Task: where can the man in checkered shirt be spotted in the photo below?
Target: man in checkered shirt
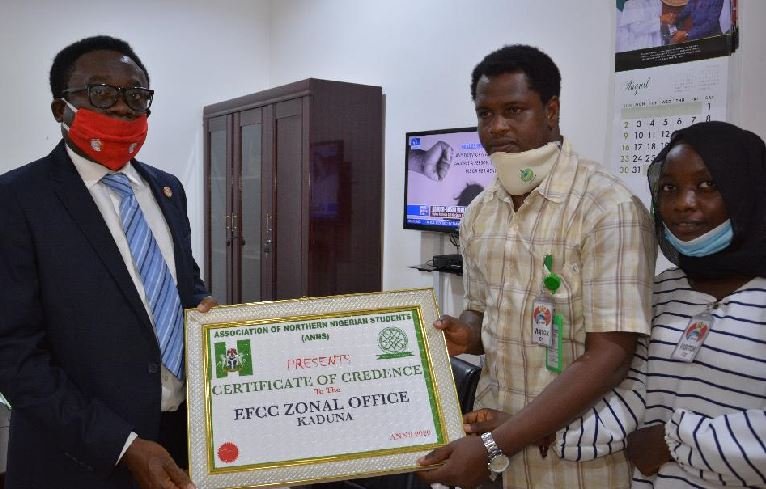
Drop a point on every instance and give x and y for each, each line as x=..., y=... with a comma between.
x=552, y=229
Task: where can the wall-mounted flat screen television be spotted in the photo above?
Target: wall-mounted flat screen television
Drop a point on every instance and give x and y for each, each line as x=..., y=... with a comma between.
x=445, y=170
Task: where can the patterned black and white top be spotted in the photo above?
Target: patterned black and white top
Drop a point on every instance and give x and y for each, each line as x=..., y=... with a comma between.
x=713, y=409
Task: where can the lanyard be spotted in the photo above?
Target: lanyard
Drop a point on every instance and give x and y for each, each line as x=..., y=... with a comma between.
x=552, y=282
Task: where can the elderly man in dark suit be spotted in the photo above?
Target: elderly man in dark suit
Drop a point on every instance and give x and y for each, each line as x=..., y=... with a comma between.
x=95, y=270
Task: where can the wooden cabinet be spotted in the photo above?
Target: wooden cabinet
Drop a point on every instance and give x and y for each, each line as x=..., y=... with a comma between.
x=294, y=192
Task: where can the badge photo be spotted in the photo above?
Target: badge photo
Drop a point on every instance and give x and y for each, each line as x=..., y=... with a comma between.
x=542, y=321
x=692, y=338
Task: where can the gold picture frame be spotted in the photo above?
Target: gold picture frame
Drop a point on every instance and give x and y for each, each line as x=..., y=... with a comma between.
x=317, y=389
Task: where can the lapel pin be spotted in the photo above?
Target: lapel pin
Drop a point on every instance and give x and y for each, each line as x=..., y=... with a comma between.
x=168, y=193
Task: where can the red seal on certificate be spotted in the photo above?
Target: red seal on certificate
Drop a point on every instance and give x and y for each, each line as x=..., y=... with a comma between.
x=228, y=452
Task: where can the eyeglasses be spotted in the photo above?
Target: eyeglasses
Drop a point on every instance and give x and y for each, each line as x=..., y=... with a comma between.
x=105, y=96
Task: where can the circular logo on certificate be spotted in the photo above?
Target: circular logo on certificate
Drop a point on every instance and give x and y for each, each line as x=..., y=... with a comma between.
x=228, y=452
x=392, y=340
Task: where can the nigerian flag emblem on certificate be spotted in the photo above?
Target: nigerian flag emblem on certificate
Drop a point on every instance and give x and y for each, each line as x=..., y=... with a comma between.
x=232, y=359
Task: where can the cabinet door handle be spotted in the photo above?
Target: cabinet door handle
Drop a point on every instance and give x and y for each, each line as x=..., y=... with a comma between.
x=235, y=231
x=268, y=242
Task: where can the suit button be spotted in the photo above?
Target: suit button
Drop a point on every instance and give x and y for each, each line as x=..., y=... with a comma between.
x=154, y=368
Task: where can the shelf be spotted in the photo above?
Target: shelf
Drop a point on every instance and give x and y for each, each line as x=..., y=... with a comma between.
x=425, y=267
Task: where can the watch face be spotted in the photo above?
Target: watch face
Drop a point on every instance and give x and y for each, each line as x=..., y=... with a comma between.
x=499, y=463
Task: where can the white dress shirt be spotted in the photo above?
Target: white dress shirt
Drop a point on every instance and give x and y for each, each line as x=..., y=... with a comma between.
x=108, y=203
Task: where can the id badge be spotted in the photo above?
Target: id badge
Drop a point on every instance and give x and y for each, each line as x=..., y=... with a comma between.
x=542, y=321
x=693, y=337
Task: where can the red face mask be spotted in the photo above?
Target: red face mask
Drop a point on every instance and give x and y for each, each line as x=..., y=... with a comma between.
x=109, y=141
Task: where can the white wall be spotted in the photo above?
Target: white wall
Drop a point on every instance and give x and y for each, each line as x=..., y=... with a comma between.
x=196, y=51
x=748, y=100
x=420, y=51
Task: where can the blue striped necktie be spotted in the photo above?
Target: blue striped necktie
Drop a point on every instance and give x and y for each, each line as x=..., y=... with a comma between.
x=159, y=286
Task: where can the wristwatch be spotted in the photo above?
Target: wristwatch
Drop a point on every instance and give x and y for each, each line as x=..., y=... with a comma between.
x=498, y=461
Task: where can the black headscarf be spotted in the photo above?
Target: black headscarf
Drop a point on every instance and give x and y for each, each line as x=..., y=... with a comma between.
x=736, y=159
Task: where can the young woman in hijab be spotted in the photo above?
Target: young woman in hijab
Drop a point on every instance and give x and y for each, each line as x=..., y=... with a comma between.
x=697, y=391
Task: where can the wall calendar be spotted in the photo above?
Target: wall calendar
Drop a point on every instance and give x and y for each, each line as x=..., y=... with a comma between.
x=652, y=103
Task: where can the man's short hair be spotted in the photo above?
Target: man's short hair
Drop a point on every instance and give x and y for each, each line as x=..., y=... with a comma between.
x=63, y=63
x=542, y=73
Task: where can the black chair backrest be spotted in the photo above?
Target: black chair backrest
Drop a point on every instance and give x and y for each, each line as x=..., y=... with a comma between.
x=466, y=378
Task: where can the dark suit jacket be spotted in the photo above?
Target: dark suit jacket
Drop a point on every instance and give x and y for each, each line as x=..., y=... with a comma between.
x=79, y=360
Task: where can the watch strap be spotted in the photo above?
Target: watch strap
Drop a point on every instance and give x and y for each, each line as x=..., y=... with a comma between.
x=489, y=443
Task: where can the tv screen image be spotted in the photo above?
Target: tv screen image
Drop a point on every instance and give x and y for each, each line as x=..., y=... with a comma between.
x=445, y=170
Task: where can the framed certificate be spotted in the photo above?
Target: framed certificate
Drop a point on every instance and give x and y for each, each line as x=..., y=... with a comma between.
x=297, y=391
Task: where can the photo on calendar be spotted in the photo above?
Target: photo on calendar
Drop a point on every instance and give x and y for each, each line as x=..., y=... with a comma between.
x=661, y=32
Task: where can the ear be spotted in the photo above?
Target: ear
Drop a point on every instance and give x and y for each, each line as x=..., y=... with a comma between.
x=57, y=108
x=552, y=107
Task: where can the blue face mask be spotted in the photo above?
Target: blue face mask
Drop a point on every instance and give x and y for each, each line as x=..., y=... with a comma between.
x=711, y=242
